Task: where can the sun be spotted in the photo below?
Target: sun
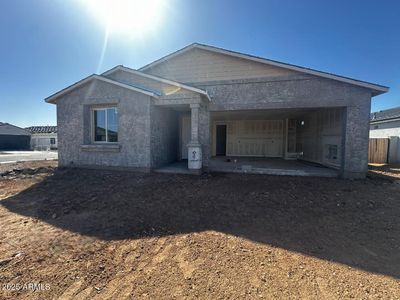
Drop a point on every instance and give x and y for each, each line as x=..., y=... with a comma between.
x=127, y=16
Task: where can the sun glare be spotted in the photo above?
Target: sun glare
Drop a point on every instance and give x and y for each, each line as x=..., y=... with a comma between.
x=127, y=16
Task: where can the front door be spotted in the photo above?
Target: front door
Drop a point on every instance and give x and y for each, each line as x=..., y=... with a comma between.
x=221, y=140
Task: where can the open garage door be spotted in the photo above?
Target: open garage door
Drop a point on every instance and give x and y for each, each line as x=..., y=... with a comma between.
x=15, y=142
x=262, y=138
x=312, y=134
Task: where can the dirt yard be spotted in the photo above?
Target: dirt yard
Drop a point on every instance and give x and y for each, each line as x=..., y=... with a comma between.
x=83, y=234
x=391, y=171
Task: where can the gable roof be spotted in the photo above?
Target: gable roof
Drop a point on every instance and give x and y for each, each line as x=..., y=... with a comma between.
x=376, y=88
x=42, y=129
x=156, y=78
x=53, y=98
x=10, y=129
x=387, y=114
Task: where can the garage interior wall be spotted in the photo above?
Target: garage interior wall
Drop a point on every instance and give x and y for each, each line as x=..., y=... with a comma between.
x=314, y=135
x=255, y=138
x=319, y=136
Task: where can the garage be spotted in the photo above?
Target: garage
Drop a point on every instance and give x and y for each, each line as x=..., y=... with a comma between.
x=312, y=134
x=262, y=138
x=13, y=137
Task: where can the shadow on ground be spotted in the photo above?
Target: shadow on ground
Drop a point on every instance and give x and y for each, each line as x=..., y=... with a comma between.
x=388, y=171
x=350, y=222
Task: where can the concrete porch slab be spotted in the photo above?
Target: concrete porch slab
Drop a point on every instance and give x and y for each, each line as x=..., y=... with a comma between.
x=269, y=166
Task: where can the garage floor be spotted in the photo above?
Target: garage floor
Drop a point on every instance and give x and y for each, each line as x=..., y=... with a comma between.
x=271, y=166
x=256, y=165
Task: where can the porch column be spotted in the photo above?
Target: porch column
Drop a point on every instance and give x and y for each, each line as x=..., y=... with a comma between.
x=194, y=146
x=355, y=141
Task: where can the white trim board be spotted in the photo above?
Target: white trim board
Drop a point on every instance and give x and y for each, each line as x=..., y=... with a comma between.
x=378, y=89
x=156, y=78
x=52, y=98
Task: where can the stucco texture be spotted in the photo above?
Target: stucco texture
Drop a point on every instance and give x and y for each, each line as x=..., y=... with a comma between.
x=74, y=127
x=149, y=127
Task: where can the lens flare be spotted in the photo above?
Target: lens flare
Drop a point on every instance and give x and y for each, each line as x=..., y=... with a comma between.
x=127, y=16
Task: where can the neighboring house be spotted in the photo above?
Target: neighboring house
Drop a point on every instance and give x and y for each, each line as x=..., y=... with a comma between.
x=43, y=137
x=13, y=137
x=386, y=124
x=202, y=101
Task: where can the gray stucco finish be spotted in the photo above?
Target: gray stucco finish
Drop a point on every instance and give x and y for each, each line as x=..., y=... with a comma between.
x=149, y=128
x=73, y=111
x=303, y=92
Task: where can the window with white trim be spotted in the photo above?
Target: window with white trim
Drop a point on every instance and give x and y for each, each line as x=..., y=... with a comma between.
x=105, y=125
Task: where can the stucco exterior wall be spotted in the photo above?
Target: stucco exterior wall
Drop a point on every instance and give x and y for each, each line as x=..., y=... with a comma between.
x=304, y=91
x=148, y=128
x=204, y=133
x=74, y=127
x=385, y=129
x=41, y=141
x=280, y=92
x=356, y=133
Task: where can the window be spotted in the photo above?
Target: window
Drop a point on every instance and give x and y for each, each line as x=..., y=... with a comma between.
x=52, y=141
x=105, y=124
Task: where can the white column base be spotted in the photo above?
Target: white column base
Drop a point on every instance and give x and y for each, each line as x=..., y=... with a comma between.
x=195, y=161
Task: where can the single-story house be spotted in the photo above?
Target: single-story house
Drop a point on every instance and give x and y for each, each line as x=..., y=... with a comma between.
x=209, y=105
x=43, y=137
x=13, y=137
x=386, y=124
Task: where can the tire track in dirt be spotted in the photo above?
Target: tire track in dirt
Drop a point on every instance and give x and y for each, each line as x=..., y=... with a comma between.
x=137, y=266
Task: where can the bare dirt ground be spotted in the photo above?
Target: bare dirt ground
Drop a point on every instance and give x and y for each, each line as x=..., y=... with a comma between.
x=389, y=171
x=87, y=234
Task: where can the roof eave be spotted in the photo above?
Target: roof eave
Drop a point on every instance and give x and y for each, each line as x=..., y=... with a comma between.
x=381, y=91
x=157, y=78
x=376, y=88
x=385, y=120
x=52, y=99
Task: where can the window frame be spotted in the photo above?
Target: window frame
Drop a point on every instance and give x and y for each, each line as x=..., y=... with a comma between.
x=93, y=126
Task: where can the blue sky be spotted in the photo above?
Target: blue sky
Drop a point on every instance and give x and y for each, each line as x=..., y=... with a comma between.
x=47, y=45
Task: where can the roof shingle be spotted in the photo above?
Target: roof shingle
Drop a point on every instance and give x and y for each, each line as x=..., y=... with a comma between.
x=42, y=129
x=385, y=114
